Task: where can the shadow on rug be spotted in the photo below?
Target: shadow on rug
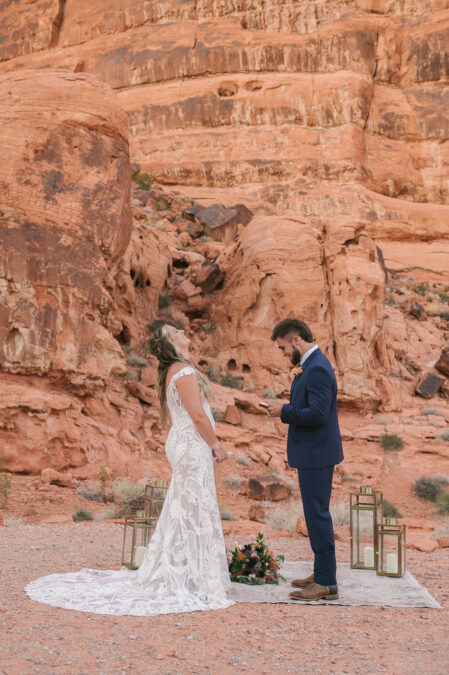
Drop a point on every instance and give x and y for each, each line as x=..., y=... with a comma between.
x=356, y=587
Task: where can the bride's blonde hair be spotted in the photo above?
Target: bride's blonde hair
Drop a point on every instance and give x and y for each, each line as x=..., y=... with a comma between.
x=167, y=353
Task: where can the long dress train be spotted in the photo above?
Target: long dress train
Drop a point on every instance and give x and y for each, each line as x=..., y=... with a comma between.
x=184, y=568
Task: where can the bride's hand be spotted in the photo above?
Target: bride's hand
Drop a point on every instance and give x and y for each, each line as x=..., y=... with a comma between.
x=219, y=453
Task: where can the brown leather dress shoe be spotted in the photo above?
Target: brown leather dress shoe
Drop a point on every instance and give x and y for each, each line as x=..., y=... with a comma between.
x=302, y=583
x=316, y=592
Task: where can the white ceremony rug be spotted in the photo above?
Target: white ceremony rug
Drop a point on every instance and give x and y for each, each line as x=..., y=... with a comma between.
x=356, y=587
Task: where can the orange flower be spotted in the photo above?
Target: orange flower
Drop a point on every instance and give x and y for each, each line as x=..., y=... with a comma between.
x=240, y=557
x=296, y=372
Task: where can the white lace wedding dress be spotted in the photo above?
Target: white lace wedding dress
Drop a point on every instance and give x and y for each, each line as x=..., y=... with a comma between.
x=184, y=568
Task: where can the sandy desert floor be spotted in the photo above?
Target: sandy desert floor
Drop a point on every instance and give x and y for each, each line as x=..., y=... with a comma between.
x=36, y=638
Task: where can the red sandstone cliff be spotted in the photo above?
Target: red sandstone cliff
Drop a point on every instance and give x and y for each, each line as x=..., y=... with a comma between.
x=328, y=120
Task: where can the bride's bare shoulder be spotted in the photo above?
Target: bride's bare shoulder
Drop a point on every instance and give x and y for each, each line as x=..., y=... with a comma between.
x=172, y=370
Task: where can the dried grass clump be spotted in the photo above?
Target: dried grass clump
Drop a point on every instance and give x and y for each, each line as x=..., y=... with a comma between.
x=129, y=497
x=428, y=488
x=339, y=511
x=443, y=502
x=243, y=458
x=226, y=514
x=91, y=492
x=234, y=481
x=285, y=517
x=391, y=442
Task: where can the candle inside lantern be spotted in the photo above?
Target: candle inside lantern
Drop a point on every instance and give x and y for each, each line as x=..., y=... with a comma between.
x=139, y=553
x=368, y=556
x=392, y=563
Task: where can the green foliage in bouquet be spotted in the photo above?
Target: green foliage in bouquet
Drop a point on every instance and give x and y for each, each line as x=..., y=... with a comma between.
x=255, y=564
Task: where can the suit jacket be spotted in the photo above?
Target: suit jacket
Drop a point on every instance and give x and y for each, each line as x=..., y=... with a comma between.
x=314, y=440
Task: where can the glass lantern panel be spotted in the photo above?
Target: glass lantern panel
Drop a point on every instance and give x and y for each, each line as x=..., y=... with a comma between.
x=128, y=541
x=391, y=553
x=363, y=537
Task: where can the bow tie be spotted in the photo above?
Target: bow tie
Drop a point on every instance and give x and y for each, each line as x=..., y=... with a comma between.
x=296, y=372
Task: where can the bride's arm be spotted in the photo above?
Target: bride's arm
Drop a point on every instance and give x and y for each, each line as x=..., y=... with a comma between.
x=189, y=391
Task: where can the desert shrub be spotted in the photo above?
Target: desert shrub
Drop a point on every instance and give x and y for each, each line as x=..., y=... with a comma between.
x=444, y=296
x=234, y=481
x=243, y=458
x=390, y=510
x=218, y=415
x=232, y=381
x=444, y=436
x=143, y=181
x=421, y=289
x=164, y=301
x=428, y=488
x=105, y=477
x=391, y=442
x=129, y=497
x=213, y=373
x=81, y=514
x=443, y=502
x=285, y=517
x=339, y=511
x=431, y=411
x=91, y=492
x=5, y=483
x=226, y=514
x=269, y=393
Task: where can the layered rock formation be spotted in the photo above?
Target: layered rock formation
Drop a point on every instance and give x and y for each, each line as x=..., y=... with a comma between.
x=327, y=120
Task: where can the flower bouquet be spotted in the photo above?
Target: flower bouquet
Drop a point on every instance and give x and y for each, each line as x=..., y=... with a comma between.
x=255, y=564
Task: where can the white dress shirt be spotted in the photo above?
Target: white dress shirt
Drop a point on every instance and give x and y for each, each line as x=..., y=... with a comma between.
x=307, y=354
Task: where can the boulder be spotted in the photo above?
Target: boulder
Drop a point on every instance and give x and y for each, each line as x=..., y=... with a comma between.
x=301, y=527
x=268, y=487
x=421, y=542
x=233, y=416
x=443, y=541
x=208, y=276
x=220, y=222
x=416, y=310
x=51, y=477
x=429, y=385
x=257, y=512
x=443, y=362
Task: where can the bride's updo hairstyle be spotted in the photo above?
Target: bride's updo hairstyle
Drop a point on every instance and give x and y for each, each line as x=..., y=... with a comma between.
x=167, y=353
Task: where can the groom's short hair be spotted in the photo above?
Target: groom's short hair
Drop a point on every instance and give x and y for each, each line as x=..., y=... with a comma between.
x=289, y=327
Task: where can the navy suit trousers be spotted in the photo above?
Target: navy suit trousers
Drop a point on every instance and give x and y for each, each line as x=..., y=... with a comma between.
x=316, y=487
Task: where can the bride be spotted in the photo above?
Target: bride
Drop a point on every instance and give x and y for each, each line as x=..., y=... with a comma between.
x=184, y=568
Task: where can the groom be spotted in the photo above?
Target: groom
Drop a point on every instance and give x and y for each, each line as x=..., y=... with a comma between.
x=313, y=447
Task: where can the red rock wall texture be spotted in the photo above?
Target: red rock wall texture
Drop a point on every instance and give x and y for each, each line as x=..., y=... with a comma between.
x=329, y=120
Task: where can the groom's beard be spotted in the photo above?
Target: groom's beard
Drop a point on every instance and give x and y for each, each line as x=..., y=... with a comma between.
x=295, y=357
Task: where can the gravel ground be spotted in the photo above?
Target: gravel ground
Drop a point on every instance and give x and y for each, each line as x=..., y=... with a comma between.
x=36, y=638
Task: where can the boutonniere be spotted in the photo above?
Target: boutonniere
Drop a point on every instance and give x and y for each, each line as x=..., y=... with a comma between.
x=296, y=372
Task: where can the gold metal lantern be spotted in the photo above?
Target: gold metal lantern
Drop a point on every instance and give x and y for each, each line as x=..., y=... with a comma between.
x=391, y=547
x=136, y=537
x=155, y=494
x=365, y=514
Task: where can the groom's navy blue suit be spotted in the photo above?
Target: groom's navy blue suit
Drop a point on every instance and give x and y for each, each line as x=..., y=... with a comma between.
x=314, y=448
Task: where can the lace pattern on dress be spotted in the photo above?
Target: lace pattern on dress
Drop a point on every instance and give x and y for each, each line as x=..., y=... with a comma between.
x=185, y=567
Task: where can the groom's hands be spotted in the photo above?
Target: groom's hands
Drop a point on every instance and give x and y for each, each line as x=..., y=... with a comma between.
x=274, y=408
